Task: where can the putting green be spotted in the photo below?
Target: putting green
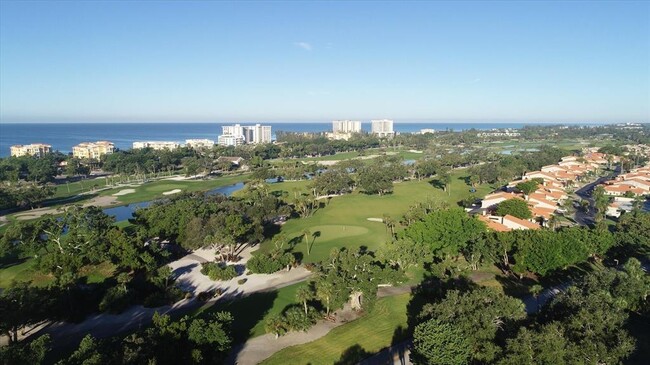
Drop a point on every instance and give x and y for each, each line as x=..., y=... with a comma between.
x=335, y=231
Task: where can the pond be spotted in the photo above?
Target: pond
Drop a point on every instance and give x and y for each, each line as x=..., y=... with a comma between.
x=125, y=212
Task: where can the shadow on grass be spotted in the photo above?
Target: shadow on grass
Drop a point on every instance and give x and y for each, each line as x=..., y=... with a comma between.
x=247, y=311
x=515, y=287
x=11, y=260
x=639, y=328
x=352, y=355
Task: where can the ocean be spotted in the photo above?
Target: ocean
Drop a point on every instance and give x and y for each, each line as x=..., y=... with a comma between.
x=62, y=136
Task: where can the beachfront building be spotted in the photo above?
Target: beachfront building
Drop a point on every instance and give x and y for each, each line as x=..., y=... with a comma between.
x=344, y=129
x=34, y=149
x=234, y=135
x=346, y=126
x=230, y=140
x=92, y=150
x=382, y=127
x=199, y=143
x=260, y=133
x=427, y=130
x=156, y=145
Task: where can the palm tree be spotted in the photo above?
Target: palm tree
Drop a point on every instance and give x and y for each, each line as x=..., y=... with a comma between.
x=390, y=224
x=303, y=294
x=275, y=325
x=305, y=234
x=536, y=290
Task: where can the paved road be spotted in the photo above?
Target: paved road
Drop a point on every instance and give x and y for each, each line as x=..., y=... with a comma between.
x=586, y=218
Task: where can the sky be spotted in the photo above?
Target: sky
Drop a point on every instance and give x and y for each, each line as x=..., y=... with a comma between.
x=317, y=61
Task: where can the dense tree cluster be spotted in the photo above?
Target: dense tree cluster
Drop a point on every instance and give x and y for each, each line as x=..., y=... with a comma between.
x=186, y=341
x=514, y=207
x=200, y=220
x=24, y=195
x=583, y=325
x=445, y=232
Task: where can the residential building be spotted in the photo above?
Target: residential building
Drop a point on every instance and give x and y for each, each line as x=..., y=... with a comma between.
x=507, y=223
x=382, y=128
x=492, y=200
x=199, y=143
x=261, y=134
x=427, y=130
x=230, y=140
x=34, y=149
x=156, y=145
x=93, y=150
x=346, y=126
x=237, y=134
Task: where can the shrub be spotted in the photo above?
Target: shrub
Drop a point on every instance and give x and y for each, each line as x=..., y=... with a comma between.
x=270, y=263
x=116, y=300
x=216, y=271
x=293, y=318
x=242, y=281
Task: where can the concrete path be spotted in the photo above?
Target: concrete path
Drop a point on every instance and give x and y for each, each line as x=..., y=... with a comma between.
x=136, y=317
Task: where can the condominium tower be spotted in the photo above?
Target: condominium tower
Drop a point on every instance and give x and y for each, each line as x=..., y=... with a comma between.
x=346, y=126
x=93, y=150
x=34, y=149
x=382, y=127
x=234, y=135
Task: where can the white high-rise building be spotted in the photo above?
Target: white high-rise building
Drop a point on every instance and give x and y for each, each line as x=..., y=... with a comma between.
x=346, y=126
x=234, y=135
x=233, y=130
x=382, y=127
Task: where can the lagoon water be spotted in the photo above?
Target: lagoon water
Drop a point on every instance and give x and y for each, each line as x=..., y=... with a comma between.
x=62, y=136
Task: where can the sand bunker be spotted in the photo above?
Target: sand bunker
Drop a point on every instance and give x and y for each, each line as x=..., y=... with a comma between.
x=175, y=191
x=124, y=192
x=376, y=219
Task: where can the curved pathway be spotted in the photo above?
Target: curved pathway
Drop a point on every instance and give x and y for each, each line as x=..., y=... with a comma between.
x=187, y=269
x=259, y=348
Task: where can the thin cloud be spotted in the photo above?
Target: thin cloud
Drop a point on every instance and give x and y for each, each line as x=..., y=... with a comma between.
x=475, y=81
x=304, y=45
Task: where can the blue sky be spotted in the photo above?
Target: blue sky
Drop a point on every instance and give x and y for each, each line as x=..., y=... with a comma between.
x=317, y=61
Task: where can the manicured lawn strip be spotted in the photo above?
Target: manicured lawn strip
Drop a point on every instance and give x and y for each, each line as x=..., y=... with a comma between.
x=371, y=332
x=251, y=312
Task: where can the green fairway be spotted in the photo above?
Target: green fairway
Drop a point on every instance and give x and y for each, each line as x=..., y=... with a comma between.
x=153, y=190
x=252, y=311
x=343, y=222
x=369, y=334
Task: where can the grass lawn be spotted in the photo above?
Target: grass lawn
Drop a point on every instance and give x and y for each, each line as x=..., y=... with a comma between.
x=252, y=311
x=372, y=332
x=344, y=221
x=25, y=270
